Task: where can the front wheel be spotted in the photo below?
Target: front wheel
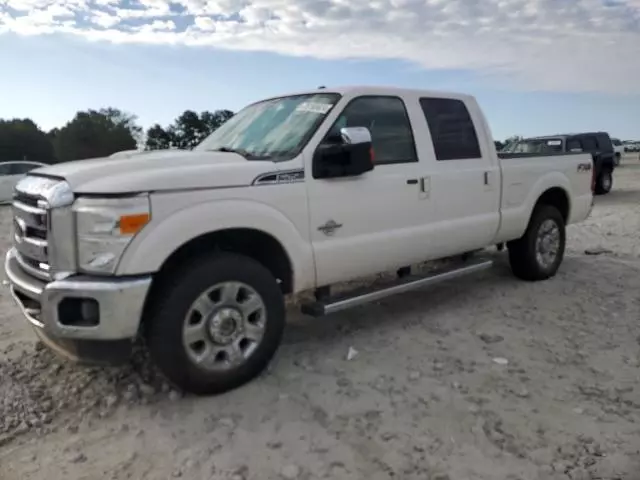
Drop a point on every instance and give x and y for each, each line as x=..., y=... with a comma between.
x=217, y=324
x=539, y=253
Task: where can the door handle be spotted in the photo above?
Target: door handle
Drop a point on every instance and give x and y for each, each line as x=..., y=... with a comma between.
x=486, y=178
x=412, y=181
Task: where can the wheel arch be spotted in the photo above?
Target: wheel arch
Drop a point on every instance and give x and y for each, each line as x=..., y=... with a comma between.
x=247, y=227
x=251, y=242
x=555, y=197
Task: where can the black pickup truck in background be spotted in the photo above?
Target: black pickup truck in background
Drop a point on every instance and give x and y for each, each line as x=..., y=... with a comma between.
x=598, y=144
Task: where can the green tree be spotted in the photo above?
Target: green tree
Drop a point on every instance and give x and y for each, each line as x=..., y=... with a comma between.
x=212, y=121
x=158, y=138
x=187, y=131
x=512, y=139
x=22, y=139
x=96, y=133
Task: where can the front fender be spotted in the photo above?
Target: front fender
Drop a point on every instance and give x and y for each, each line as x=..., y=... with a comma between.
x=163, y=236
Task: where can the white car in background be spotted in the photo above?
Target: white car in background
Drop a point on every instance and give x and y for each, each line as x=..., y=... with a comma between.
x=10, y=173
x=618, y=148
x=631, y=147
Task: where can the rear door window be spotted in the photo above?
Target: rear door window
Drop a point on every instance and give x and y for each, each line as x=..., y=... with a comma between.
x=452, y=130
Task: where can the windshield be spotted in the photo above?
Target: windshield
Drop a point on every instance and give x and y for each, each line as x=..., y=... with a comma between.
x=276, y=129
x=546, y=145
x=616, y=142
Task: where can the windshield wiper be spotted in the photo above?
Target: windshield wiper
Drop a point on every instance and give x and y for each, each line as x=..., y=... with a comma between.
x=243, y=152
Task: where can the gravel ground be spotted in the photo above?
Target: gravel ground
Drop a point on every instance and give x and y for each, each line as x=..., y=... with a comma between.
x=484, y=378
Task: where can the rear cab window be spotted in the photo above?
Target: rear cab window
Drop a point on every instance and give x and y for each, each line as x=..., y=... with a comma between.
x=452, y=130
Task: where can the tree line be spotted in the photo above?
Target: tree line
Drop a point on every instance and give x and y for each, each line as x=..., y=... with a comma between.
x=99, y=133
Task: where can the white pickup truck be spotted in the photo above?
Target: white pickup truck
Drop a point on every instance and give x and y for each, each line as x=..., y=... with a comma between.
x=196, y=250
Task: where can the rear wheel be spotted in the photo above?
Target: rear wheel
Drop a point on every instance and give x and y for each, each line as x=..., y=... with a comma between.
x=217, y=325
x=604, y=182
x=539, y=253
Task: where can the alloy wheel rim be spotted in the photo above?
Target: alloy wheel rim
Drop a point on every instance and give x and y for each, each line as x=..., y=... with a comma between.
x=224, y=326
x=547, y=243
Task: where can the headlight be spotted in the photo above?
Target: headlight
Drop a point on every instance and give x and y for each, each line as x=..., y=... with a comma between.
x=104, y=228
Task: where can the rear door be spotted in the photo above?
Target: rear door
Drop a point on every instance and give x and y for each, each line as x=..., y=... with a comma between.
x=464, y=178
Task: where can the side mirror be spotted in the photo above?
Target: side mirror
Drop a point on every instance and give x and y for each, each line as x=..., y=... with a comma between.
x=352, y=155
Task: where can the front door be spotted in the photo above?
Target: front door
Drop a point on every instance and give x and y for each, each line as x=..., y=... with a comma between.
x=376, y=221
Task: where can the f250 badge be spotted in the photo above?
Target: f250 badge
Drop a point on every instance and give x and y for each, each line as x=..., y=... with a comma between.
x=329, y=228
x=584, y=167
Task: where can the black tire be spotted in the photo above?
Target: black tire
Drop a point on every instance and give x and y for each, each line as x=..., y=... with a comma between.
x=164, y=325
x=604, y=182
x=523, y=254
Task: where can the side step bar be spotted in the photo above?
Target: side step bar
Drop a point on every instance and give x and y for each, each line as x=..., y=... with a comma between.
x=404, y=284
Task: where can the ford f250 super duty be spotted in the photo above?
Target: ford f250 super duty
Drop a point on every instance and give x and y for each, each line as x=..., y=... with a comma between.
x=195, y=250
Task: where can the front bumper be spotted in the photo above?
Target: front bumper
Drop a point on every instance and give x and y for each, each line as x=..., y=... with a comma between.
x=115, y=313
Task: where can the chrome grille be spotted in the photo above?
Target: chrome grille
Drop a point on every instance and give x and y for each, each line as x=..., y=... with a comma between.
x=30, y=234
x=43, y=231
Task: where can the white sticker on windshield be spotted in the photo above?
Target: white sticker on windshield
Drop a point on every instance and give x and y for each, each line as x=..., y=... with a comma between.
x=314, y=107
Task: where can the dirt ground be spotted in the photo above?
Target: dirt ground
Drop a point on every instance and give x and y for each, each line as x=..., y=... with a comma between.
x=484, y=378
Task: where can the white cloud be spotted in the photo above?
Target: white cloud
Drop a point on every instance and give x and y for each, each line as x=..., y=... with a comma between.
x=205, y=23
x=158, y=25
x=576, y=45
x=103, y=19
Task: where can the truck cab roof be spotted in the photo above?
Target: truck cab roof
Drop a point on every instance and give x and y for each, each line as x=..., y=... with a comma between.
x=363, y=90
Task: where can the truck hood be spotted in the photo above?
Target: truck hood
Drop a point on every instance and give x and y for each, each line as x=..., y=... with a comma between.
x=157, y=171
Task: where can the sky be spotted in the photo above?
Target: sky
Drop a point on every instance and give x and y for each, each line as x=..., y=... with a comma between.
x=536, y=66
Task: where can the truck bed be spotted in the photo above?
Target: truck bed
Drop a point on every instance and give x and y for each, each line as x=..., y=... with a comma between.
x=525, y=177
